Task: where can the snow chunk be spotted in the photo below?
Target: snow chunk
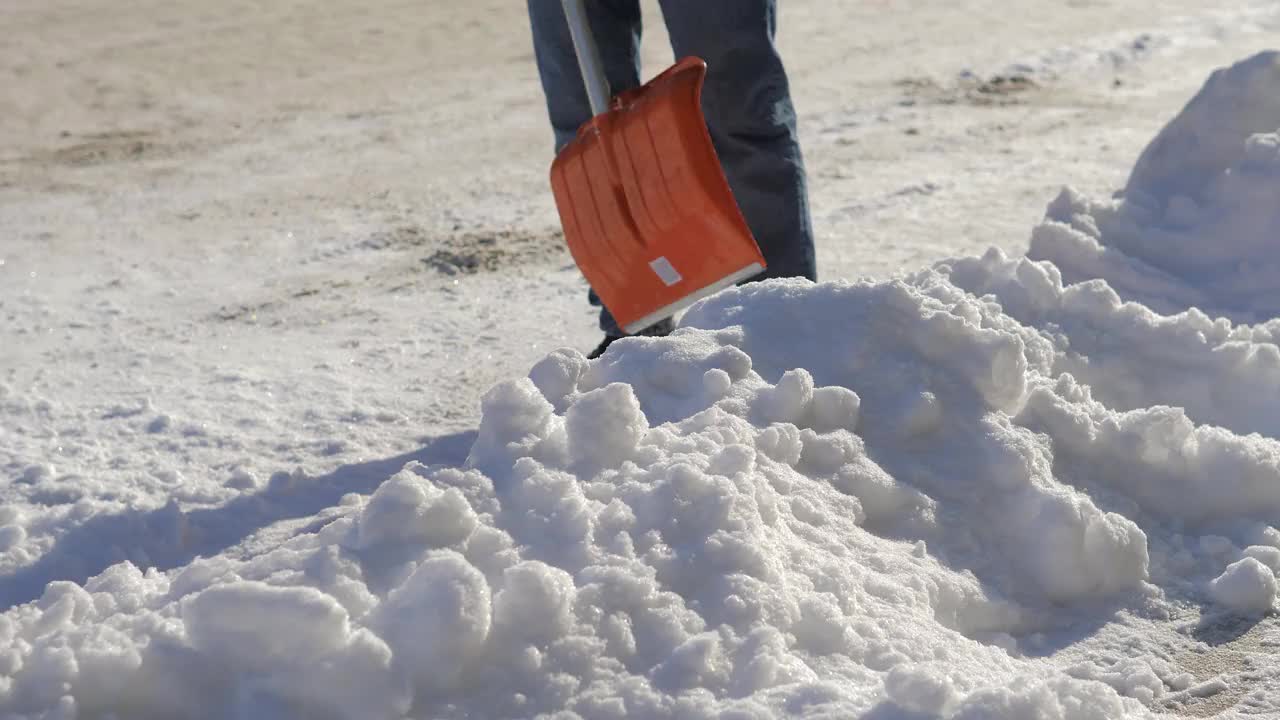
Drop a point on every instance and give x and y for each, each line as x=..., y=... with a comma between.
x=556, y=376
x=1246, y=586
x=1265, y=554
x=921, y=689
x=255, y=625
x=605, y=426
x=835, y=408
x=437, y=620
x=787, y=401
x=11, y=536
x=535, y=603
x=407, y=508
x=516, y=418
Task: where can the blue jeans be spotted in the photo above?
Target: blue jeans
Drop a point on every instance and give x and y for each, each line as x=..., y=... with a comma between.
x=746, y=100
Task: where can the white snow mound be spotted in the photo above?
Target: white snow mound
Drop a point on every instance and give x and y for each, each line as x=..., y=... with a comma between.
x=1197, y=224
x=891, y=500
x=1246, y=586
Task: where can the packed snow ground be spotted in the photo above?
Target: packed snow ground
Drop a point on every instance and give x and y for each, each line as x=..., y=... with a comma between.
x=994, y=487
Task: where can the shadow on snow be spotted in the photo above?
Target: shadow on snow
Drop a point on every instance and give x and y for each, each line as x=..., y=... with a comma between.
x=167, y=537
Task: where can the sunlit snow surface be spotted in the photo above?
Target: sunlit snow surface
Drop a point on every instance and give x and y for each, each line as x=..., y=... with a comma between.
x=970, y=493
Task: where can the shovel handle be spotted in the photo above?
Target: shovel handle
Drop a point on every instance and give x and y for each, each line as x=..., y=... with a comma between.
x=584, y=44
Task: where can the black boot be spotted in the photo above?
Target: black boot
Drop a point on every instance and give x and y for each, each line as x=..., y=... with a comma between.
x=659, y=329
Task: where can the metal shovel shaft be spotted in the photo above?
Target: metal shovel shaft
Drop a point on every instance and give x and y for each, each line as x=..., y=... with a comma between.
x=584, y=45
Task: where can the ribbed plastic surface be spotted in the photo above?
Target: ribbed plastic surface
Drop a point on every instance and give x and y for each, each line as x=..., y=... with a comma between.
x=646, y=210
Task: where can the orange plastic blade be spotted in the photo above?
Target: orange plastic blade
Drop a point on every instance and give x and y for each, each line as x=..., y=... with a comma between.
x=647, y=213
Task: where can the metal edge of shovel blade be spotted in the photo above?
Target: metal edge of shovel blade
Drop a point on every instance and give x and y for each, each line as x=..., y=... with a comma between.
x=667, y=311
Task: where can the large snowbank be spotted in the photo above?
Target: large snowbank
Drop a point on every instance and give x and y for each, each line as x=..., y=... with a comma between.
x=892, y=500
x=1197, y=224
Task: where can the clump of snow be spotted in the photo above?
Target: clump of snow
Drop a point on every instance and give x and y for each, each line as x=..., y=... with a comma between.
x=1265, y=554
x=891, y=499
x=12, y=529
x=1246, y=586
x=242, y=479
x=437, y=620
x=403, y=509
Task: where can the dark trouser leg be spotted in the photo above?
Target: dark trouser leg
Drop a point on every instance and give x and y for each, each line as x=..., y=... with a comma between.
x=747, y=102
x=616, y=27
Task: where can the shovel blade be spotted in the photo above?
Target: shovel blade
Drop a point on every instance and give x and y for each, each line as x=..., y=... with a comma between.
x=646, y=210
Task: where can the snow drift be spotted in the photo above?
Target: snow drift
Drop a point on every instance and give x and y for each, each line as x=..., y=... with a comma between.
x=894, y=500
x=1197, y=224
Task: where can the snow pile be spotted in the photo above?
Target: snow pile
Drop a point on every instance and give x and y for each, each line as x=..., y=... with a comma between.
x=684, y=528
x=691, y=527
x=1197, y=224
x=893, y=500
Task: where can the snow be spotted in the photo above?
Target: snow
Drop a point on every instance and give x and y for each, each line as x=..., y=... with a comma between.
x=1246, y=586
x=1196, y=183
x=993, y=485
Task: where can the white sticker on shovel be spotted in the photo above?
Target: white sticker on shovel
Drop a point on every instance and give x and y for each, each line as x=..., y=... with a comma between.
x=666, y=271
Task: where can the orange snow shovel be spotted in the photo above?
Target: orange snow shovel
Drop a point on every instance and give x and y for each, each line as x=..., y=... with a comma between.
x=647, y=212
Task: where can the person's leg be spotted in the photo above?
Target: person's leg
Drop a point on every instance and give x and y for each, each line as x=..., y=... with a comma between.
x=616, y=27
x=747, y=102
